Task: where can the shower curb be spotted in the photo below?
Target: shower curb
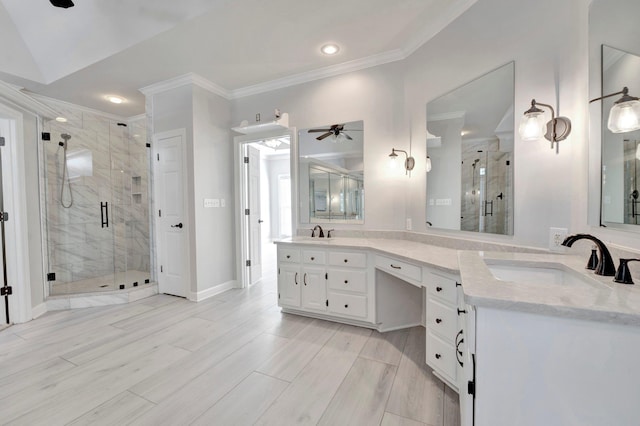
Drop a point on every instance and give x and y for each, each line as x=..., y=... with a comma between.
x=86, y=300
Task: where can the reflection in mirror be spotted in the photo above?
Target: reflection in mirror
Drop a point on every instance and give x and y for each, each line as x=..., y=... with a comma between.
x=331, y=167
x=470, y=144
x=620, y=152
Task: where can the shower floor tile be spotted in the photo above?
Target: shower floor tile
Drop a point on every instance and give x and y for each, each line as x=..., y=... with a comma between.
x=109, y=282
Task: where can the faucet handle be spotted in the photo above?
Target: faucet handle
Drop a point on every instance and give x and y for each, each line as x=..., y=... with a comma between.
x=313, y=232
x=592, y=264
x=329, y=233
x=623, y=275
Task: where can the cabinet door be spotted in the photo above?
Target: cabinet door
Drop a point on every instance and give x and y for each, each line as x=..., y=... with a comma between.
x=314, y=289
x=289, y=281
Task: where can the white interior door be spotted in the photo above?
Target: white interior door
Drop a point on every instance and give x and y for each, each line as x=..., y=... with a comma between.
x=255, y=221
x=171, y=226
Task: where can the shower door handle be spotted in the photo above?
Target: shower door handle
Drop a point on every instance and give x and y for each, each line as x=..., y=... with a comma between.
x=104, y=213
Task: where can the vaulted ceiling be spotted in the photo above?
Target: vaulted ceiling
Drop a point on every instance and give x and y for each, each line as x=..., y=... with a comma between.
x=102, y=47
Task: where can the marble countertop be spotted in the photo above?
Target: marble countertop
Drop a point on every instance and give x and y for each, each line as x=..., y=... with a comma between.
x=598, y=298
x=443, y=259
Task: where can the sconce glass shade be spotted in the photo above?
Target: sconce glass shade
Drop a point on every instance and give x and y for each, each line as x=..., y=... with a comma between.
x=272, y=143
x=533, y=126
x=428, y=165
x=624, y=116
x=393, y=160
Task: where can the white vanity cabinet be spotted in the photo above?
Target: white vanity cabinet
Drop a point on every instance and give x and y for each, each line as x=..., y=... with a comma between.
x=314, y=276
x=443, y=328
x=348, y=286
x=329, y=284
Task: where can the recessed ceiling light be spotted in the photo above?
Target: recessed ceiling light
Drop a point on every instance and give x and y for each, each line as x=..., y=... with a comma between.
x=115, y=99
x=330, y=49
x=61, y=119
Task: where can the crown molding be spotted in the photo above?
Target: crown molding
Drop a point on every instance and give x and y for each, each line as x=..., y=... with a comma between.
x=183, y=80
x=454, y=11
x=15, y=95
x=318, y=74
x=446, y=116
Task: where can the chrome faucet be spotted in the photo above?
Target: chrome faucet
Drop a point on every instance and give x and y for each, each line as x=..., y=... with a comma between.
x=605, y=263
x=313, y=232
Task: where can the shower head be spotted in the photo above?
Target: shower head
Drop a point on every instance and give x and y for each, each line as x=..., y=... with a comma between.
x=66, y=138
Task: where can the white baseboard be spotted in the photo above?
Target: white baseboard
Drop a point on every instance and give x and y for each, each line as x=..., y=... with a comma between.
x=210, y=292
x=39, y=310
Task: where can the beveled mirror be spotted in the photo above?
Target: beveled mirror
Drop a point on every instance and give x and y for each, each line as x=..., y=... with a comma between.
x=331, y=169
x=470, y=145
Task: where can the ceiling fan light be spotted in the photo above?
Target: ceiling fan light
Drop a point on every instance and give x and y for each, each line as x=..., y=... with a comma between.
x=272, y=143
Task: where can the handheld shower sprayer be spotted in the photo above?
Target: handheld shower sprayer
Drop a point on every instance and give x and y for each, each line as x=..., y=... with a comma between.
x=65, y=172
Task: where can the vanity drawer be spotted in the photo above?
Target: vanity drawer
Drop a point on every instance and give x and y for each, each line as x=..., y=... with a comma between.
x=354, y=260
x=288, y=255
x=350, y=280
x=442, y=288
x=442, y=319
x=348, y=304
x=313, y=257
x=441, y=356
x=399, y=268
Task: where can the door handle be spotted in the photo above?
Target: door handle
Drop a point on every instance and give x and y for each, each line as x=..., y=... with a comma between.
x=104, y=214
x=260, y=220
x=177, y=226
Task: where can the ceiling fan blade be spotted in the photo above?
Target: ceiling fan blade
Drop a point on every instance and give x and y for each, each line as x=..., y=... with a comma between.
x=347, y=136
x=326, y=135
x=318, y=130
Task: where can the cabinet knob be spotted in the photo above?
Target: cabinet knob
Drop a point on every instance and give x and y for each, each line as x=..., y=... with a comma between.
x=438, y=356
x=438, y=289
x=288, y=256
x=346, y=281
x=313, y=258
x=346, y=306
x=346, y=260
x=438, y=320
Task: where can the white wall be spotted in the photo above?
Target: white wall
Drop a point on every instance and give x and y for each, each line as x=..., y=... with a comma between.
x=374, y=95
x=213, y=178
x=550, y=53
x=206, y=118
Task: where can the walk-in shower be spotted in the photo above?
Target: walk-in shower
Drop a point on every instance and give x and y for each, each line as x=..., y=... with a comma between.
x=94, y=176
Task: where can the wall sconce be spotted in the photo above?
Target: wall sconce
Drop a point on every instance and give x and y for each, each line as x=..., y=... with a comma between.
x=625, y=113
x=428, y=165
x=409, y=162
x=533, y=126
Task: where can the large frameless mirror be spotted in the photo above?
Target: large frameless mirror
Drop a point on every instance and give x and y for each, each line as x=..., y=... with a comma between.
x=621, y=150
x=331, y=167
x=470, y=146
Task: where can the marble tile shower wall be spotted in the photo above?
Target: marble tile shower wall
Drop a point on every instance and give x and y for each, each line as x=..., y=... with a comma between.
x=107, y=162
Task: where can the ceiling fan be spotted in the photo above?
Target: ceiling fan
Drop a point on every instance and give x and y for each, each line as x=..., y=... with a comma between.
x=335, y=130
x=62, y=3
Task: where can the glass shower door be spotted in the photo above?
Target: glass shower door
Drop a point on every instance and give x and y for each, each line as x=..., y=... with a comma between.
x=79, y=222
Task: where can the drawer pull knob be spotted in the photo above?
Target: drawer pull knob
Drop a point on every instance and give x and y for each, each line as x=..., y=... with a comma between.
x=346, y=281
x=304, y=278
x=438, y=320
x=296, y=278
x=346, y=306
x=288, y=256
x=395, y=267
x=346, y=260
x=438, y=356
x=438, y=289
x=313, y=258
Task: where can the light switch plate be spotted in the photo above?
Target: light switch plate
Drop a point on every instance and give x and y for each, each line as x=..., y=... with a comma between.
x=223, y=203
x=208, y=203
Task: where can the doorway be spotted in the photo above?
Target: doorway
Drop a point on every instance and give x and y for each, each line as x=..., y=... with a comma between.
x=265, y=207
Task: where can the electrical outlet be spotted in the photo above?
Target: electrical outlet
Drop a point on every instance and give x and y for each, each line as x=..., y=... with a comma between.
x=408, y=224
x=556, y=237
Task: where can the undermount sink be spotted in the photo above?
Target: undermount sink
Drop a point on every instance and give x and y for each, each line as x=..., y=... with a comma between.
x=553, y=274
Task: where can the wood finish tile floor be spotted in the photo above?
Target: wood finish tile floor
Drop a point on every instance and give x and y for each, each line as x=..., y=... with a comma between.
x=234, y=359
